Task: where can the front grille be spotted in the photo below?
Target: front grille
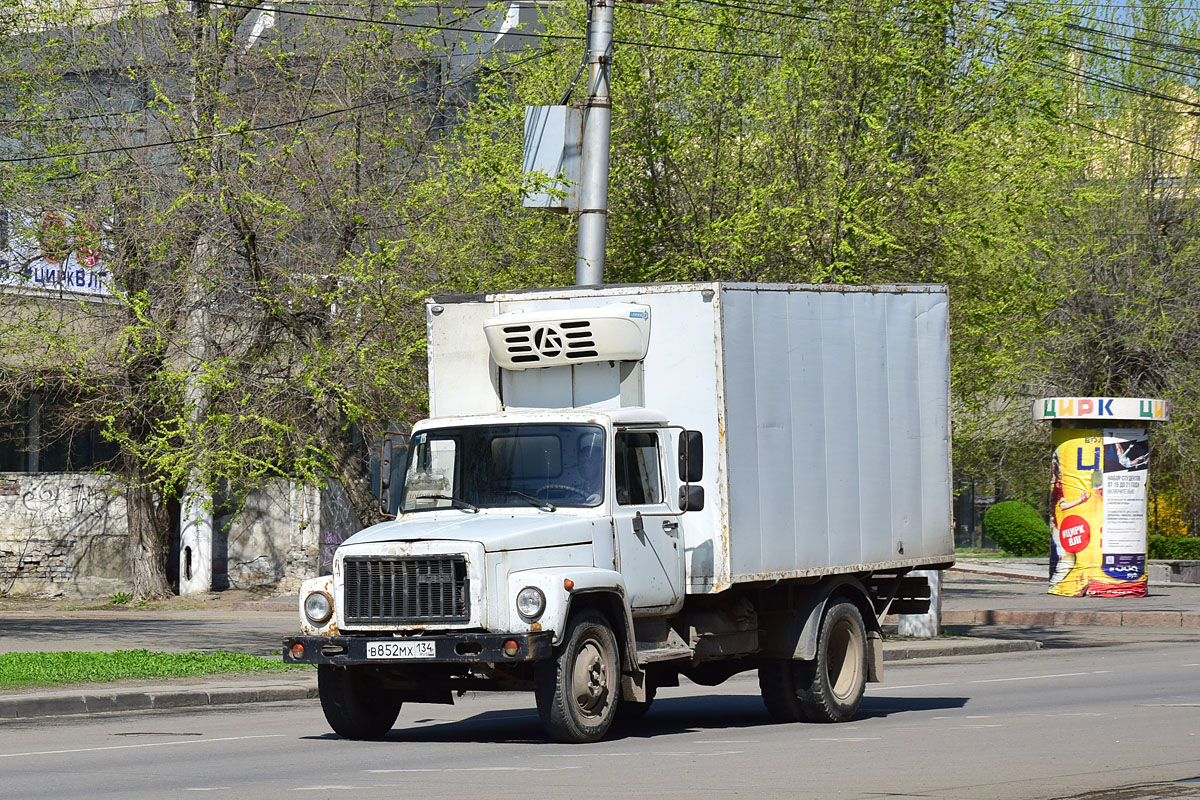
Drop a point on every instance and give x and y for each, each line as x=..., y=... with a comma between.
x=407, y=589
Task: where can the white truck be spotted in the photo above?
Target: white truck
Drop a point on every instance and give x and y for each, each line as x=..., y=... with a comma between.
x=619, y=486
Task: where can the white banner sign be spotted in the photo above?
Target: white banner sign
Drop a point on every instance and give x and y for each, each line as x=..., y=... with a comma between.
x=53, y=253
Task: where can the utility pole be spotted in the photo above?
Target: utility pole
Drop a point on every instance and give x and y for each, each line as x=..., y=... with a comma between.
x=597, y=126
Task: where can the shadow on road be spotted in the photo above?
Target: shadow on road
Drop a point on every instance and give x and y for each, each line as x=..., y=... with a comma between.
x=668, y=716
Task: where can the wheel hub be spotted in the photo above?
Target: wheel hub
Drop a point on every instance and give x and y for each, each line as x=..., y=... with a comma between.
x=590, y=678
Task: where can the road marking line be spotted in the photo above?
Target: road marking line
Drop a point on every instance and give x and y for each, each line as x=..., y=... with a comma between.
x=981, y=726
x=1034, y=677
x=722, y=741
x=472, y=769
x=910, y=686
x=582, y=755
x=850, y=739
x=145, y=744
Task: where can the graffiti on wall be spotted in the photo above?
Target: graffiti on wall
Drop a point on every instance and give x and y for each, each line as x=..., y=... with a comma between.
x=338, y=523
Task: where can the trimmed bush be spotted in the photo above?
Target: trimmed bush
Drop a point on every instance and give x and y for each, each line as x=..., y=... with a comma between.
x=1018, y=528
x=1174, y=548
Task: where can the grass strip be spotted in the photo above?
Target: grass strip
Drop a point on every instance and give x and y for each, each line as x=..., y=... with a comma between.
x=22, y=670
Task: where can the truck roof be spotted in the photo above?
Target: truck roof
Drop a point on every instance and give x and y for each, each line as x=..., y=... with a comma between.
x=614, y=416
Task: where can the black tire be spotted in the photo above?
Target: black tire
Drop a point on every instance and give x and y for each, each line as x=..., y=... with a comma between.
x=829, y=688
x=578, y=691
x=356, y=704
x=633, y=710
x=780, y=681
x=837, y=678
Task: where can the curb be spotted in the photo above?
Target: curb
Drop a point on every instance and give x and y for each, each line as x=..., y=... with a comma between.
x=1113, y=619
x=66, y=704
x=936, y=648
x=997, y=571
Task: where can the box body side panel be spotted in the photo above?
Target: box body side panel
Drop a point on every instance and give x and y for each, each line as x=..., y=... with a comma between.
x=463, y=379
x=838, y=444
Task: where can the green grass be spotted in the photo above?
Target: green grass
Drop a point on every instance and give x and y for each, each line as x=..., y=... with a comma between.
x=56, y=669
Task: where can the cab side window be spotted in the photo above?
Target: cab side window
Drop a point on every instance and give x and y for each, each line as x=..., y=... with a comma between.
x=639, y=482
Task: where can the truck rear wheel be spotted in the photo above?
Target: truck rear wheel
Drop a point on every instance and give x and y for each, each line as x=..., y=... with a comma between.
x=837, y=678
x=578, y=690
x=829, y=688
x=780, y=681
x=356, y=704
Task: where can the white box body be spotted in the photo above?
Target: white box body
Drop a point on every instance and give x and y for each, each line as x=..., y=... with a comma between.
x=824, y=409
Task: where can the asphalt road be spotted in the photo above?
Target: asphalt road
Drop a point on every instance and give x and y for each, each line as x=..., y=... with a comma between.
x=1048, y=724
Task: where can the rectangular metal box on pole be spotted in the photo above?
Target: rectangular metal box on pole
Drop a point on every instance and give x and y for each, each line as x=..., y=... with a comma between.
x=553, y=142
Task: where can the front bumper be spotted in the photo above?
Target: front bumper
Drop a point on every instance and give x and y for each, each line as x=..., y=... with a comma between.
x=457, y=648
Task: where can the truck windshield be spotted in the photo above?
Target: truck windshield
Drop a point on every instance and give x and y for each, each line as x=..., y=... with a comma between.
x=501, y=466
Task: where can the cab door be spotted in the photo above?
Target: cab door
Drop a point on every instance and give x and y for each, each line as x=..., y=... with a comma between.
x=649, y=548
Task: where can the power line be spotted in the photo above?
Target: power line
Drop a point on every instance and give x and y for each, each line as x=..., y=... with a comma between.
x=246, y=130
x=1111, y=84
x=1151, y=147
x=1118, y=56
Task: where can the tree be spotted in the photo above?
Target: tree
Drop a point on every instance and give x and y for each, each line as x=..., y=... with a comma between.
x=1127, y=324
x=249, y=168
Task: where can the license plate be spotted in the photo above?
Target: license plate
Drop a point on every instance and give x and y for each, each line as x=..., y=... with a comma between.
x=401, y=649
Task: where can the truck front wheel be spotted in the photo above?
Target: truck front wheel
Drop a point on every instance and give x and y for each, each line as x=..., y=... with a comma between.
x=355, y=702
x=829, y=688
x=579, y=689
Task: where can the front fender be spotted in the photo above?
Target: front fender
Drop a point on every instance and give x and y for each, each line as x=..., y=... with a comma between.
x=553, y=583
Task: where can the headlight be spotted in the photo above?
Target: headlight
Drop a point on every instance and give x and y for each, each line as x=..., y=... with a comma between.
x=318, y=607
x=531, y=602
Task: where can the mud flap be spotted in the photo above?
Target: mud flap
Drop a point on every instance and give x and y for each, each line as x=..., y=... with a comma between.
x=874, y=656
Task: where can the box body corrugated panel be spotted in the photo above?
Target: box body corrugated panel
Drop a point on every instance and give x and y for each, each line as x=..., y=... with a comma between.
x=824, y=411
x=837, y=429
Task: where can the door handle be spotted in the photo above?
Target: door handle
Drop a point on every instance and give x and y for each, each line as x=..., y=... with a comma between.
x=670, y=525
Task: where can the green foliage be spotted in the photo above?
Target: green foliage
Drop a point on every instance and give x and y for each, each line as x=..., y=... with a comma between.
x=317, y=186
x=1018, y=528
x=1175, y=548
x=51, y=669
x=120, y=599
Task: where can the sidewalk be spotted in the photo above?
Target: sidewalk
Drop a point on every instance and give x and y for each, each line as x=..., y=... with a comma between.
x=989, y=606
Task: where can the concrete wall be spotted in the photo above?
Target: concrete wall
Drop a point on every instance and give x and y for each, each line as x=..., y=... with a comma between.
x=66, y=535
x=62, y=534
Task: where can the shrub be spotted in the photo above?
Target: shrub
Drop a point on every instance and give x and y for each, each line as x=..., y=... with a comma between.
x=1174, y=548
x=1018, y=528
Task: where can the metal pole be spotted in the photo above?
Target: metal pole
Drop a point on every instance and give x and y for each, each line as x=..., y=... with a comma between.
x=597, y=124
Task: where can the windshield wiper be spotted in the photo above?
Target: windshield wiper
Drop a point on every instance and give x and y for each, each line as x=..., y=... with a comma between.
x=454, y=501
x=545, y=505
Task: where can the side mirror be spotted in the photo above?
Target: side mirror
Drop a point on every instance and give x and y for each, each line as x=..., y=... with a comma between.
x=385, y=465
x=691, y=498
x=386, y=457
x=691, y=456
x=385, y=475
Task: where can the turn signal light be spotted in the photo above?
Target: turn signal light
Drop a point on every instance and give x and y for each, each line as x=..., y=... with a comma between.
x=297, y=650
x=511, y=648
x=568, y=584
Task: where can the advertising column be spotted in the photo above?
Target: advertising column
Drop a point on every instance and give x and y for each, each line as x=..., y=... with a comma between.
x=1099, y=481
